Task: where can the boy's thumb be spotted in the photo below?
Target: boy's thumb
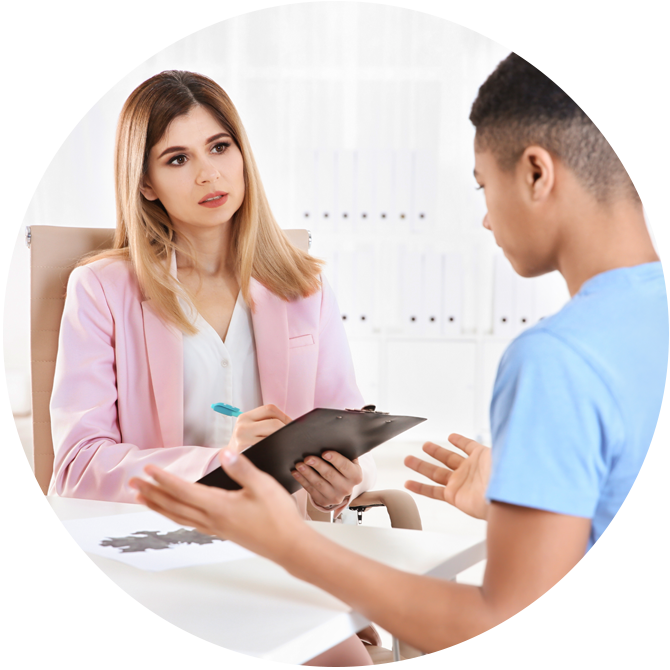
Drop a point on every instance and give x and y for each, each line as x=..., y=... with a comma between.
x=239, y=468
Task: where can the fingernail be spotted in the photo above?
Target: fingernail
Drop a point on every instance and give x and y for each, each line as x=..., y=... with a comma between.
x=328, y=456
x=228, y=457
x=300, y=467
x=294, y=473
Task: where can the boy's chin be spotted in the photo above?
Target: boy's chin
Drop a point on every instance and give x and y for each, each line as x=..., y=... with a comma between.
x=527, y=269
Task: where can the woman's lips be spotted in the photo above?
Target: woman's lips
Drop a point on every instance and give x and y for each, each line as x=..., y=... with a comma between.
x=214, y=200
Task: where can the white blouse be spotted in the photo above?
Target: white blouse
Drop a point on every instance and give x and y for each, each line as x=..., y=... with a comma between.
x=219, y=371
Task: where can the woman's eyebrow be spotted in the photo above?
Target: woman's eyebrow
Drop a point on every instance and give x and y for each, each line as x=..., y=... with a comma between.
x=218, y=136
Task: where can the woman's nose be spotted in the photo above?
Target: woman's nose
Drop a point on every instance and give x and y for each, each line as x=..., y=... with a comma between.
x=208, y=173
x=485, y=222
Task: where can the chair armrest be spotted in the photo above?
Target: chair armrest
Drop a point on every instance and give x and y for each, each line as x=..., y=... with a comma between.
x=400, y=505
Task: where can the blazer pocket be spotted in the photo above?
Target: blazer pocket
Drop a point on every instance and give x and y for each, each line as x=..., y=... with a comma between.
x=300, y=341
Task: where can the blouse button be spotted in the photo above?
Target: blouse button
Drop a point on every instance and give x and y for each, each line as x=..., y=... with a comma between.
x=224, y=363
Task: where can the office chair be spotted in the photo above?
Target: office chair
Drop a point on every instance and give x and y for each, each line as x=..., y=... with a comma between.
x=54, y=252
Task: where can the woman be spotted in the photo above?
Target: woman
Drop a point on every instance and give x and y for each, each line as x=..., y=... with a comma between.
x=201, y=300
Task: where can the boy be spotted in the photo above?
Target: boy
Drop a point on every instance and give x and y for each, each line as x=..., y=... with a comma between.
x=574, y=406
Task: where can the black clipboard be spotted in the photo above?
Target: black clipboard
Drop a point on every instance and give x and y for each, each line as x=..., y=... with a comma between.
x=351, y=433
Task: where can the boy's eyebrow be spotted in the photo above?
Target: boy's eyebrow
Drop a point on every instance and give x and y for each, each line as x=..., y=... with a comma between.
x=170, y=150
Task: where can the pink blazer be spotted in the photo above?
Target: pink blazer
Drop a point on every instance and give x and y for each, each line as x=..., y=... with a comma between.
x=117, y=401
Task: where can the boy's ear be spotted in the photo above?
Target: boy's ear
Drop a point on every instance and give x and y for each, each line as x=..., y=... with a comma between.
x=538, y=172
x=146, y=190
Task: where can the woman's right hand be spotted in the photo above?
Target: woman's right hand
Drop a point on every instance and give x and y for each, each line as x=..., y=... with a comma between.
x=253, y=426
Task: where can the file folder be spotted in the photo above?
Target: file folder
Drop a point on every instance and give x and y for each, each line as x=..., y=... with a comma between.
x=351, y=433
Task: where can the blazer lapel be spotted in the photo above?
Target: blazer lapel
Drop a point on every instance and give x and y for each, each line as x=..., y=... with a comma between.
x=165, y=352
x=270, y=321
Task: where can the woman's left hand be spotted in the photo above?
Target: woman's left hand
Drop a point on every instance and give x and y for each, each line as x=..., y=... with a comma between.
x=329, y=480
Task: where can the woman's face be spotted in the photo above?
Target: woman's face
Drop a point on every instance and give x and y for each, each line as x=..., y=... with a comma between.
x=196, y=171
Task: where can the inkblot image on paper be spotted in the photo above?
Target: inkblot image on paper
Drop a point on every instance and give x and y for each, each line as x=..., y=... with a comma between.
x=153, y=539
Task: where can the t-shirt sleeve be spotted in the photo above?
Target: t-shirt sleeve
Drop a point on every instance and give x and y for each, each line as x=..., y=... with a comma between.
x=553, y=425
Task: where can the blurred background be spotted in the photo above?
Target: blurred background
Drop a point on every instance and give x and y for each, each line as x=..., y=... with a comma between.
x=358, y=117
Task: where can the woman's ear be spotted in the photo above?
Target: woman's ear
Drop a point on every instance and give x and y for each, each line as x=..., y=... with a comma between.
x=146, y=190
x=538, y=172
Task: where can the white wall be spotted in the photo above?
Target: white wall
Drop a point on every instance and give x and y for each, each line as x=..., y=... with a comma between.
x=351, y=109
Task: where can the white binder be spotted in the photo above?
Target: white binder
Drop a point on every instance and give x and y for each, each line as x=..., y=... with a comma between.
x=411, y=278
x=345, y=210
x=402, y=178
x=504, y=281
x=325, y=188
x=305, y=203
x=425, y=190
x=365, y=188
x=432, y=291
x=385, y=197
x=452, y=323
x=364, y=260
x=345, y=286
x=523, y=303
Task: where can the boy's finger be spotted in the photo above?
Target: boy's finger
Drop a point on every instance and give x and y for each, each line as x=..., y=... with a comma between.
x=463, y=443
x=436, y=492
x=164, y=503
x=450, y=458
x=239, y=468
x=195, y=495
x=435, y=472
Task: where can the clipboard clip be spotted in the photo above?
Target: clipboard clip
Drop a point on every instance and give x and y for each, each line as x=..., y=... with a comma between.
x=367, y=409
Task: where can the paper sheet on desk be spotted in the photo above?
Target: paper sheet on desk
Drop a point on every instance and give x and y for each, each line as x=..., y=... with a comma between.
x=149, y=541
x=14, y=522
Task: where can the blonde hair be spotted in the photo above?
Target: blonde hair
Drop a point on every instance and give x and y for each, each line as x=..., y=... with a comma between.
x=144, y=234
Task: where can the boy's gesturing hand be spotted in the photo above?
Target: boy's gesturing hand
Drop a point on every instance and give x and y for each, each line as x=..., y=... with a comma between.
x=261, y=516
x=463, y=482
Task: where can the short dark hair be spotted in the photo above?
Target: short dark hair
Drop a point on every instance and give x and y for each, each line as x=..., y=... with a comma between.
x=518, y=106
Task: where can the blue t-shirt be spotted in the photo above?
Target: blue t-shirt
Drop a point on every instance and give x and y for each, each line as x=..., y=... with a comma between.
x=577, y=398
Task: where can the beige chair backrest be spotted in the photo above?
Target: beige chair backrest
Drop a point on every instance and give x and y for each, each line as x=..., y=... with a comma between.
x=54, y=252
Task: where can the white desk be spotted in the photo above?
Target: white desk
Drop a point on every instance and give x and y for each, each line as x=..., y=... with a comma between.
x=253, y=606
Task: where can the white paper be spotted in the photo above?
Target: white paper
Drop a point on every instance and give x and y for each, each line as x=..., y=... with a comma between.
x=95, y=535
x=14, y=522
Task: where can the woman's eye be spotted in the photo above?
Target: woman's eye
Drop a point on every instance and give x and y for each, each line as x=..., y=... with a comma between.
x=220, y=147
x=178, y=160
x=479, y=187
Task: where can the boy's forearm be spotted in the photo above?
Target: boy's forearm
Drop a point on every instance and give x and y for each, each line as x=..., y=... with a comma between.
x=428, y=613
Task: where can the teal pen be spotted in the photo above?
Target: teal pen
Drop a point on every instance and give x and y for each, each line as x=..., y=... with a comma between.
x=228, y=410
